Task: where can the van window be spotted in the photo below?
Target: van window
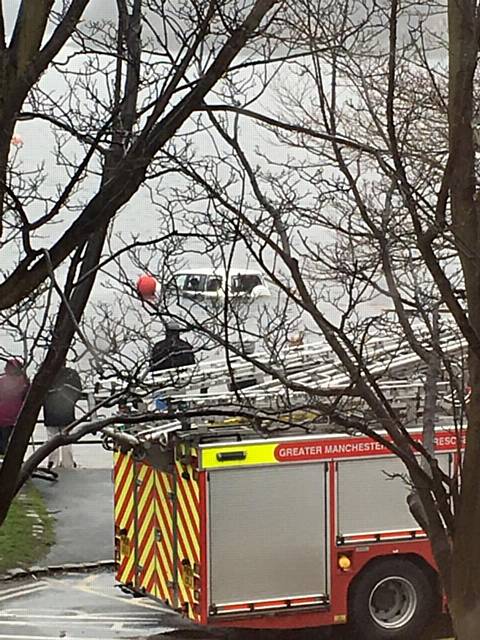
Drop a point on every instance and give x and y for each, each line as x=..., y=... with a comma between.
x=179, y=281
x=194, y=282
x=245, y=283
x=214, y=283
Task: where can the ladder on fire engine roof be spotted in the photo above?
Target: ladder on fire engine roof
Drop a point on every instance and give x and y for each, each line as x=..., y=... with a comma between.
x=312, y=366
x=297, y=361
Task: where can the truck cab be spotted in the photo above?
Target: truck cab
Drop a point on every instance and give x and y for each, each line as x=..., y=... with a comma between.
x=218, y=283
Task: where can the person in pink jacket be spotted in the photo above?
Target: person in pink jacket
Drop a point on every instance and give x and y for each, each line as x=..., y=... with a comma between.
x=14, y=385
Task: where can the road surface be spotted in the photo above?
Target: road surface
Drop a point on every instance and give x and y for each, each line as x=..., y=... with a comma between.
x=90, y=607
x=86, y=607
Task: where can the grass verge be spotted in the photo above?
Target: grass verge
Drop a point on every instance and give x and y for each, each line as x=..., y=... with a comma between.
x=27, y=532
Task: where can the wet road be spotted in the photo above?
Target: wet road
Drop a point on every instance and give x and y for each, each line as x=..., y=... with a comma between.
x=76, y=606
x=81, y=501
x=89, y=607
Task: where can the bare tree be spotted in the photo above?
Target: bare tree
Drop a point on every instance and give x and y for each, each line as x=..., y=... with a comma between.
x=377, y=194
x=159, y=62
x=373, y=192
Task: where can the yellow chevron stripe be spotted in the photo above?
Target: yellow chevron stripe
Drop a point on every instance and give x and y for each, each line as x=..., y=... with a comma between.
x=192, y=548
x=164, y=578
x=125, y=502
x=127, y=491
x=147, y=529
x=145, y=498
x=148, y=541
x=125, y=497
x=189, y=487
x=123, y=576
x=117, y=455
x=192, y=484
x=122, y=521
x=120, y=462
x=145, y=540
x=146, y=506
x=184, y=593
x=145, y=489
x=121, y=469
x=125, y=494
x=130, y=565
x=186, y=547
x=148, y=572
x=146, y=533
x=165, y=569
x=166, y=558
x=144, y=470
x=165, y=527
x=163, y=588
x=192, y=491
x=165, y=536
x=194, y=519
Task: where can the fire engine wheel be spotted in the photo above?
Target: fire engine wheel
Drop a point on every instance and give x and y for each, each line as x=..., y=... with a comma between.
x=392, y=600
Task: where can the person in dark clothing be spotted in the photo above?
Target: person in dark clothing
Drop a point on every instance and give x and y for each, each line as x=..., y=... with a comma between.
x=14, y=386
x=172, y=351
x=59, y=412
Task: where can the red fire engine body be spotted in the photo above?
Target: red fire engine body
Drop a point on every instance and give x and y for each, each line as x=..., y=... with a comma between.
x=238, y=530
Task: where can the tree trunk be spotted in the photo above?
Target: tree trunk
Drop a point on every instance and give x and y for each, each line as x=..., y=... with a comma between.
x=466, y=623
x=466, y=620
x=63, y=334
x=463, y=52
x=465, y=599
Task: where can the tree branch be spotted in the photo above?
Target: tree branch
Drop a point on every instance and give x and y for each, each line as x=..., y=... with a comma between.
x=32, y=19
x=127, y=176
x=319, y=135
x=62, y=33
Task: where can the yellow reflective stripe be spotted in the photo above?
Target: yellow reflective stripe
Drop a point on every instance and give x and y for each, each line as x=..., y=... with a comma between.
x=164, y=548
x=261, y=453
x=147, y=529
x=124, y=576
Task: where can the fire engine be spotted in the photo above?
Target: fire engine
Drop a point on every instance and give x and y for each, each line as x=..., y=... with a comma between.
x=236, y=528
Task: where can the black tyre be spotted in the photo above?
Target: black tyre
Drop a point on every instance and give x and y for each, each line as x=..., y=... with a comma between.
x=391, y=600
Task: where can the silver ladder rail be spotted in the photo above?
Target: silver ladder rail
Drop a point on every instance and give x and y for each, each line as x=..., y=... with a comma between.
x=313, y=366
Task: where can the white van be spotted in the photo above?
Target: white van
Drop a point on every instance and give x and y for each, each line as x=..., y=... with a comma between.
x=217, y=283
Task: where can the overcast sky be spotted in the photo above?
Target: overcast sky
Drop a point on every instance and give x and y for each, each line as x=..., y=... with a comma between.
x=39, y=142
